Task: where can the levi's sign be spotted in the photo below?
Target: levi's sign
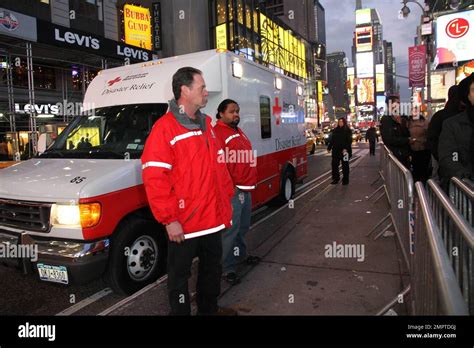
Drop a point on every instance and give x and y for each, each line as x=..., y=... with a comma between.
x=57, y=35
x=76, y=39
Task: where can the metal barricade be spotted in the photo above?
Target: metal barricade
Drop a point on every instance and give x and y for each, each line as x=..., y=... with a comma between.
x=398, y=185
x=458, y=238
x=461, y=193
x=434, y=285
x=436, y=240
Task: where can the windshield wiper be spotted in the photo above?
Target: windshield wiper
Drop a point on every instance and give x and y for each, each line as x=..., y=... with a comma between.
x=52, y=152
x=107, y=153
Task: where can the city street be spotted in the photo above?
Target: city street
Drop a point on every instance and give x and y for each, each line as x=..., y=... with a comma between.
x=24, y=295
x=309, y=161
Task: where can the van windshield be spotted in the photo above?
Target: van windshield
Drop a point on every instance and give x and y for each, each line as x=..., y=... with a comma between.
x=115, y=132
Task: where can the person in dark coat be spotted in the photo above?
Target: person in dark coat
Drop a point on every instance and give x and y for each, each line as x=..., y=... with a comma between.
x=452, y=108
x=372, y=137
x=341, y=146
x=395, y=134
x=456, y=142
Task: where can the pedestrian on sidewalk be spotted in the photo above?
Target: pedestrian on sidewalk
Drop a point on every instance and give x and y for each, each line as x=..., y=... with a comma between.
x=189, y=192
x=452, y=108
x=341, y=147
x=241, y=163
x=456, y=142
x=395, y=134
x=418, y=128
x=372, y=137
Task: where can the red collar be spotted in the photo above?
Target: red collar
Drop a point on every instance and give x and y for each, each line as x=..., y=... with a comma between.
x=223, y=124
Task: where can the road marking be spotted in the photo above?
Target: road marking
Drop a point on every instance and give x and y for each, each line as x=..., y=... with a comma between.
x=259, y=210
x=87, y=301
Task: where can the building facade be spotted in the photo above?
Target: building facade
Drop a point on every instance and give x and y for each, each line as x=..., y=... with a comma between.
x=374, y=66
x=337, y=77
x=50, y=51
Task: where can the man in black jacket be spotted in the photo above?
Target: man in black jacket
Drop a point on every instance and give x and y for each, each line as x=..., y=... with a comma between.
x=341, y=145
x=395, y=134
x=456, y=142
x=372, y=137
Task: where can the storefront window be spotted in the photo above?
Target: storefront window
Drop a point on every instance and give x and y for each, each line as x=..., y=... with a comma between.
x=44, y=77
x=76, y=75
x=248, y=17
x=221, y=11
x=240, y=11
x=230, y=10
x=255, y=21
x=231, y=37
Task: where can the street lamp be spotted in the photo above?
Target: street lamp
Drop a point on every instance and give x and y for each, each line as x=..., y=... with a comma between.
x=454, y=4
x=405, y=11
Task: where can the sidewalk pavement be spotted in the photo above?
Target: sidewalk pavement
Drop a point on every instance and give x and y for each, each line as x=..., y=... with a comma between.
x=296, y=276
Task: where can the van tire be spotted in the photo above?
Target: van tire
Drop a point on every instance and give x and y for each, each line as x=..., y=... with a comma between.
x=135, y=238
x=287, y=189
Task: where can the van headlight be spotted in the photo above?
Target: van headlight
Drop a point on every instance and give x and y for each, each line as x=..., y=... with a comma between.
x=76, y=215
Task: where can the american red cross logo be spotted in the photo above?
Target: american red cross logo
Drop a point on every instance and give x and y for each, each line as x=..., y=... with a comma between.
x=277, y=111
x=111, y=82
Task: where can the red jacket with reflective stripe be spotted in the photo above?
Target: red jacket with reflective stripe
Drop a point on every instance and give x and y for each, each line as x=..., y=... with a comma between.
x=241, y=162
x=183, y=179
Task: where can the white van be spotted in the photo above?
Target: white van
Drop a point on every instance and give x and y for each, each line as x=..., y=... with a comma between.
x=82, y=201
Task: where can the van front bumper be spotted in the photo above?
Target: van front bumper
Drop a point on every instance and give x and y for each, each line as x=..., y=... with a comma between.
x=83, y=260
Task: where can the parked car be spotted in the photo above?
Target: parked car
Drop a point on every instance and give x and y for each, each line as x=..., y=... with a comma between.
x=327, y=135
x=319, y=137
x=356, y=135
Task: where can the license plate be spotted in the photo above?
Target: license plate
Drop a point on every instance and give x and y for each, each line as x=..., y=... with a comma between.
x=55, y=274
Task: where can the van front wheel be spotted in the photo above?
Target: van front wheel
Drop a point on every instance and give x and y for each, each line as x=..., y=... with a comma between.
x=137, y=256
x=287, y=189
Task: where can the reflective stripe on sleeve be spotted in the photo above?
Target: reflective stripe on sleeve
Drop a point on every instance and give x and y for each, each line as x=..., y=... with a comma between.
x=157, y=164
x=204, y=232
x=245, y=187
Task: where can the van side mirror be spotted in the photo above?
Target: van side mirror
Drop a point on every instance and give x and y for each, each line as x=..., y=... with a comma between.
x=42, y=143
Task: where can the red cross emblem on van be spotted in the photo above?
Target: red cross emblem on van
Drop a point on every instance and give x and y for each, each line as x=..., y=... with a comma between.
x=277, y=111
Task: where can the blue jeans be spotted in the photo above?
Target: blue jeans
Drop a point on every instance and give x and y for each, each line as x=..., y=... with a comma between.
x=233, y=238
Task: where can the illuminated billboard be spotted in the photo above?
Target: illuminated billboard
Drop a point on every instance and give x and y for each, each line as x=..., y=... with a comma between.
x=365, y=91
x=365, y=64
x=221, y=36
x=350, y=80
x=364, y=39
x=440, y=83
x=464, y=71
x=380, y=105
x=380, y=77
x=454, y=37
x=281, y=49
x=137, y=26
x=363, y=16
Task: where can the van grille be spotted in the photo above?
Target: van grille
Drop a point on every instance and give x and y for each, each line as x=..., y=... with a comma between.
x=30, y=216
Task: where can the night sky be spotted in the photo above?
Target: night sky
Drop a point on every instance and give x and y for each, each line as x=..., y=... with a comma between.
x=340, y=24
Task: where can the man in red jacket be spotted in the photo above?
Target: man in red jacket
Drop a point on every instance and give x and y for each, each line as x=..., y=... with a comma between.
x=241, y=162
x=189, y=192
